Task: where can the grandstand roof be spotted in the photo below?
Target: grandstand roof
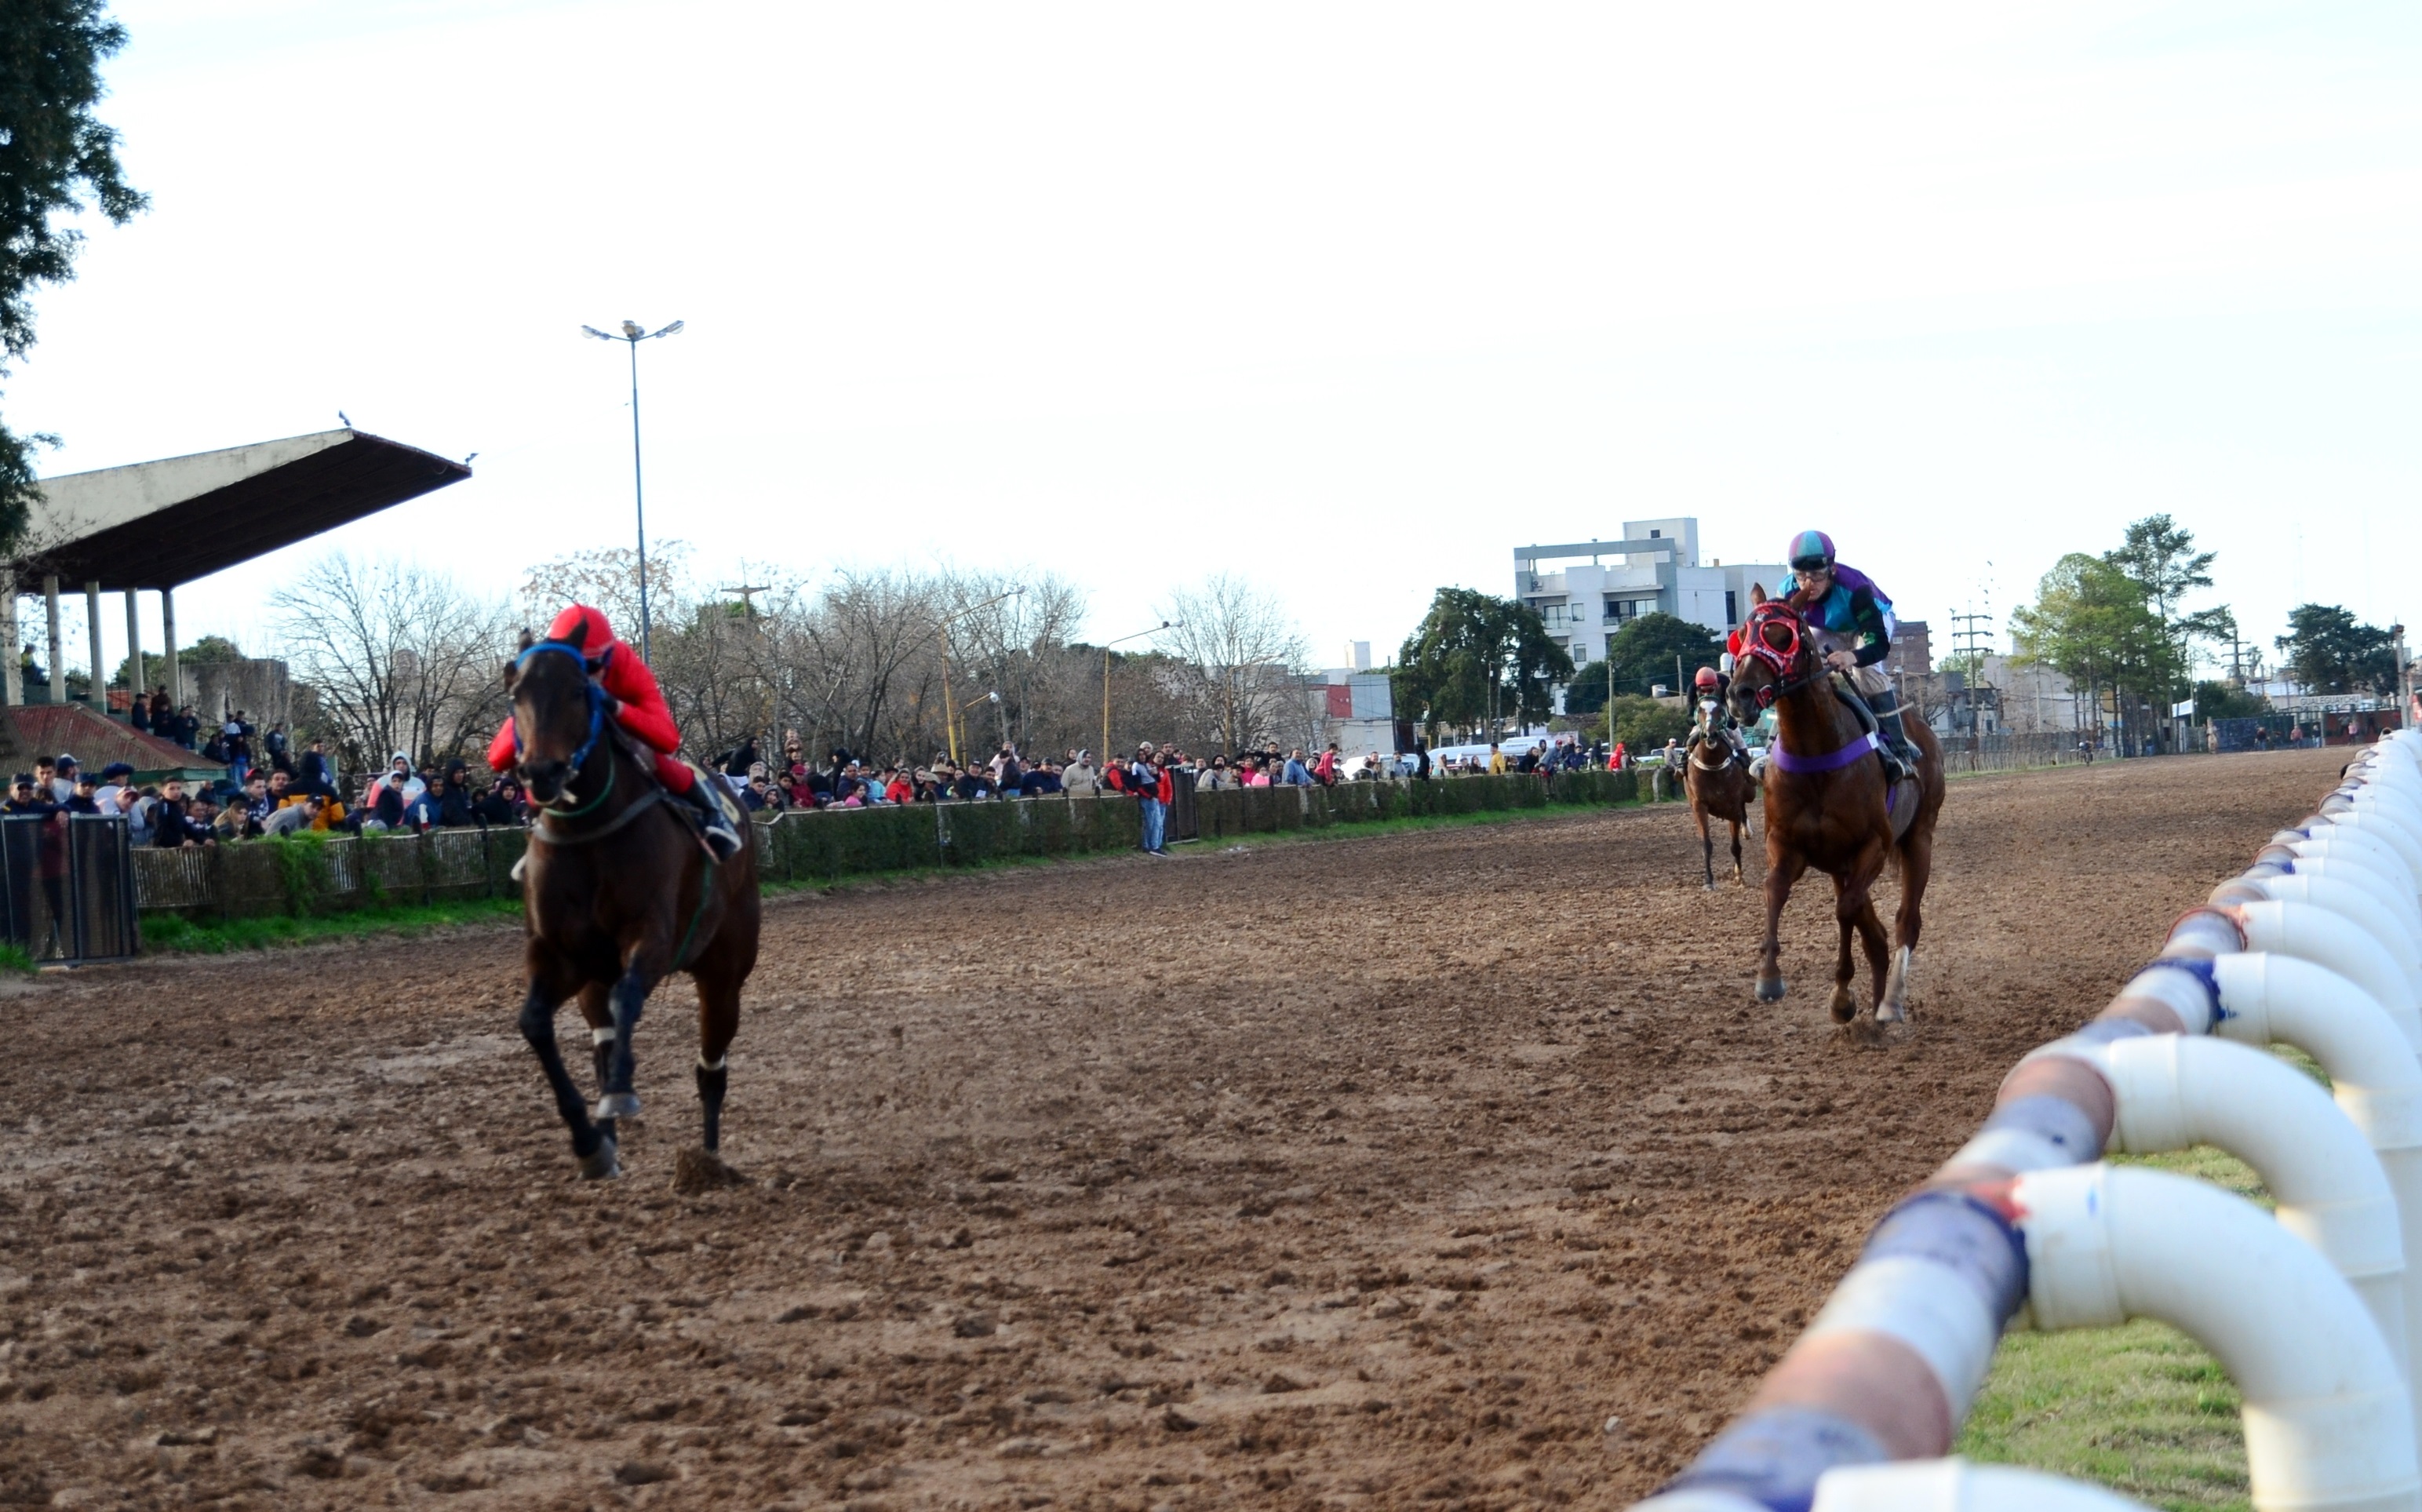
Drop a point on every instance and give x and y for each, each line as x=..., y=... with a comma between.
x=159, y=524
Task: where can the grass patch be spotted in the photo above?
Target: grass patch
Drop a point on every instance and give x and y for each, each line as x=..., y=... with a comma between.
x=16, y=958
x=2143, y=1409
x=168, y=935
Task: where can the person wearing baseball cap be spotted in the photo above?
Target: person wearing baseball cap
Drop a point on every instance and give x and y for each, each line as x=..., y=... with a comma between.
x=63, y=780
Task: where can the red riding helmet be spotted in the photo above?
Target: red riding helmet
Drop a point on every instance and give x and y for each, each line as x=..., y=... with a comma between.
x=1706, y=677
x=586, y=627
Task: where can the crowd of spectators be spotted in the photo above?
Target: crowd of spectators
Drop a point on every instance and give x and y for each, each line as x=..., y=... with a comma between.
x=272, y=790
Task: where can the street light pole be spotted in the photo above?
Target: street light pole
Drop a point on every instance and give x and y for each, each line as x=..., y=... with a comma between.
x=942, y=628
x=632, y=334
x=1165, y=624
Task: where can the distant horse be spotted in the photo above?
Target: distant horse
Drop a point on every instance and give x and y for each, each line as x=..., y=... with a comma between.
x=1829, y=806
x=618, y=893
x=1719, y=791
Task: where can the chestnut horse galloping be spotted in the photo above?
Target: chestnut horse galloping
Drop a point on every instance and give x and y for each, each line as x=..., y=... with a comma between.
x=1828, y=805
x=1720, y=791
x=615, y=898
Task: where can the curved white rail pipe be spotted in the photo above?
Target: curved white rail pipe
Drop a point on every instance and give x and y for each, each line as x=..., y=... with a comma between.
x=2328, y=1422
x=2379, y=829
x=2379, y=823
x=2269, y=998
x=1954, y=1485
x=2345, y=900
x=2173, y=1091
x=2381, y=885
x=2332, y=839
x=2319, y=935
x=2382, y=806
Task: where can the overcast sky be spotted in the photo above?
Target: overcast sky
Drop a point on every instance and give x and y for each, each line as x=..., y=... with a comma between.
x=1351, y=300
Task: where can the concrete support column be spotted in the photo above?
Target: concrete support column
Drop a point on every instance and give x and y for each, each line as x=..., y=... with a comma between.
x=168, y=648
x=58, y=686
x=133, y=648
x=12, y=673
x=97, y=689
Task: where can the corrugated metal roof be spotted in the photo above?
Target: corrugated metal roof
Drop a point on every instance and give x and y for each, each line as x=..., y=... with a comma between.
x=50, y=729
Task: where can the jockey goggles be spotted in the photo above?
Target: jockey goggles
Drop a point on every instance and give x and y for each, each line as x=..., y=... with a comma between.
x=1751, y=639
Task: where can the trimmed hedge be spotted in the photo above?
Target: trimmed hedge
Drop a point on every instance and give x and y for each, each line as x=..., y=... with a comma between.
x=314, y=875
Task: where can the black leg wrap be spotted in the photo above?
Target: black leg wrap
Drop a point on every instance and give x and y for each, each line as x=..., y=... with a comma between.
x=630, y=996
x=710, y=1103
x=538, y=1027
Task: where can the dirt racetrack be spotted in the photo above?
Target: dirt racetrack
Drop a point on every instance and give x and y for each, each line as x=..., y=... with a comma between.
x=1371, y=1172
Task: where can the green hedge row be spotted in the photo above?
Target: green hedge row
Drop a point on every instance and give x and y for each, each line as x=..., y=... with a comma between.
x=317, y=875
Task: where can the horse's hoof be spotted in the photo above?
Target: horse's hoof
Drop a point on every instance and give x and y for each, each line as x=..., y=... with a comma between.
x=1844, y=1007
x=1770, y=989
x=1891, y=1013
x=599, y=1164
x=1709, y=885
x=617, y=1105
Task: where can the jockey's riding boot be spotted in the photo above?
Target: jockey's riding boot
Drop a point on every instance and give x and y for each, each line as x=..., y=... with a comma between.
x=1900, y=759
x=720, y=837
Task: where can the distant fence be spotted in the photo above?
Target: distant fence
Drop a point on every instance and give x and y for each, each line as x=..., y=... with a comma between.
x=2004, y=751
x=306, y=875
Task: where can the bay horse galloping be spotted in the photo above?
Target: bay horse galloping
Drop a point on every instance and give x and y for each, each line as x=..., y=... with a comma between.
x=618, y=893
x=1829, y=806
x=1719, y=791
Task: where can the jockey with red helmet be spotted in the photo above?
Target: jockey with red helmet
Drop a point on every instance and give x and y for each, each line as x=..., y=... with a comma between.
x=1716, y=721
x=638, y=707
x=1846, y=602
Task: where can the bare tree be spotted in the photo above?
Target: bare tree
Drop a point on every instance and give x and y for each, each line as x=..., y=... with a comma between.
x=1235, y=660
x=608, y=580
x=1023, y=617
x=400, y=657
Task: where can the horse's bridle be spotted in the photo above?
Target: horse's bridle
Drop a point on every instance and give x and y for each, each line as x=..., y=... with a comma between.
x=1781, y=660
x=588, y=746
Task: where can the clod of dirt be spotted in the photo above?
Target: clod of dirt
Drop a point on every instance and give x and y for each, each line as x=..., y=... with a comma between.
x=1177, y=1421
x=976, y=1326
x=642, y=1471
x=696, y=1171
x=1280, y=1382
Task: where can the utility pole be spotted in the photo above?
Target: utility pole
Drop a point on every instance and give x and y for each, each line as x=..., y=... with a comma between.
x=1971, y=631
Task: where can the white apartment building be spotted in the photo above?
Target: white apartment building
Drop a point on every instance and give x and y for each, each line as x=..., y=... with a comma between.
x=1653, y=568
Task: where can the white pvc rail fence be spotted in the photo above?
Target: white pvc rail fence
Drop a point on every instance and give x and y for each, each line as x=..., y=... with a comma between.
x=2315, y=1314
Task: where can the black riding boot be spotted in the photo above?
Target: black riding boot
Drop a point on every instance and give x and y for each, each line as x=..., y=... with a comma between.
x=725, y=840
x=1901, y=757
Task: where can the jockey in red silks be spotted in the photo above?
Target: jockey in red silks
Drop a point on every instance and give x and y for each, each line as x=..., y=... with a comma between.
x=638, y=707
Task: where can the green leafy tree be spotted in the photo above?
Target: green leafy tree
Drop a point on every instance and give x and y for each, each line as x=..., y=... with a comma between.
x=1476, y=661
x=2329, y=650
x=2095, y=624
x=55, y=160
x=1642, y=723
x=209, y=651
x=1644, y=654
x=2224, y=700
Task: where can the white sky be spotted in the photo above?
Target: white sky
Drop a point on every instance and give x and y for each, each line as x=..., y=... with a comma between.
x=1350, y=299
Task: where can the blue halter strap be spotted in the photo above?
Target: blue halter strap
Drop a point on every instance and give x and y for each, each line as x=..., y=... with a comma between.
x=596, y=699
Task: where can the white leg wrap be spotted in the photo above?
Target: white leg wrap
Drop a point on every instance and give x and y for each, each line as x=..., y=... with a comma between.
x=602, y=1036
x=704, y=1065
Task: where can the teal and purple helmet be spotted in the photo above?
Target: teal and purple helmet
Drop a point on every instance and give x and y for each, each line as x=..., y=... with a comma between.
x=1810, y=549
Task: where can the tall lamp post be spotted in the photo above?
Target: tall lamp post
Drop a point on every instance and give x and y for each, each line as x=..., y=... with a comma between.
x=1165, y=624
x=942, y=628
x=632, y=335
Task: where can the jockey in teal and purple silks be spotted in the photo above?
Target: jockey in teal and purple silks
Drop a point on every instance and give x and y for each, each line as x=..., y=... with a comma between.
x=1846, y=602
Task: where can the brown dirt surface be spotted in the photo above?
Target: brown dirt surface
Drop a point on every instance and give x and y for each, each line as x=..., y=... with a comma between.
x=1377, y=1170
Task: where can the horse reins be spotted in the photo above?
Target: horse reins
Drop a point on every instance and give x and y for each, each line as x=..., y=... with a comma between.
x=551, y=814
